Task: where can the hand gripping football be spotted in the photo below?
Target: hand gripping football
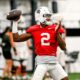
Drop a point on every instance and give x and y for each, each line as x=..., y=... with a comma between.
x=14, y=15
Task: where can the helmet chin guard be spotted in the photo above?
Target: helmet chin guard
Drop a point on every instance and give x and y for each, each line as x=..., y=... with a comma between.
x=43, y=15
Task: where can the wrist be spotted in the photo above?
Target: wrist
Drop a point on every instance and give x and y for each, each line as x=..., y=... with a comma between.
x=14, y=27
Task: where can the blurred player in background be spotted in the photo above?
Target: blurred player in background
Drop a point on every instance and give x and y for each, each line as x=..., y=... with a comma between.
x=46, y=38
x=7, y=44
x=23, y=53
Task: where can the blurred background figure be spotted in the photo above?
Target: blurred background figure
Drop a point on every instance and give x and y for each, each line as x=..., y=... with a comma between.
x=7, y=44
x=23, y=54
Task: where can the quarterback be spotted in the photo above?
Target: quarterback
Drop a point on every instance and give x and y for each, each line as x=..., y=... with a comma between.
x=47, y=37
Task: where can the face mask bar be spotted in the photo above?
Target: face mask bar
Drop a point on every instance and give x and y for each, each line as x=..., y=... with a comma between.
x=46, y=15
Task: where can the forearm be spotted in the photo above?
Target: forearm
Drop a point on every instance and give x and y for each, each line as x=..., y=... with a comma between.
x=15, y=31
x=16, y=36
x=61, y=42
x=20, y=38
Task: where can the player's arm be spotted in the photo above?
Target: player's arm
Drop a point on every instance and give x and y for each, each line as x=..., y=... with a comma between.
x=16, y=36
x=59, y=38
x=15, y=16
x=61, y=42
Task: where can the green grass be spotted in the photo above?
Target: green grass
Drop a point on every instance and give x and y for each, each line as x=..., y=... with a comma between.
x=74, y=76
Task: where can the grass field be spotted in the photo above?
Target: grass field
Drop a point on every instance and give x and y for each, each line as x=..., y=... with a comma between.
x=74, y=76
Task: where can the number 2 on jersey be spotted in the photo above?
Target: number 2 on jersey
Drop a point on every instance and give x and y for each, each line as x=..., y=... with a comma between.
x=45, y=37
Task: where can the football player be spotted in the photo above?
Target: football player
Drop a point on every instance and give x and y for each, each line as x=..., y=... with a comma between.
x=46, y=39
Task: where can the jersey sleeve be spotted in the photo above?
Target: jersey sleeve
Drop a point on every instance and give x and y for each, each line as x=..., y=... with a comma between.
x=29, y=30
x=61, y=30
x=32, y=29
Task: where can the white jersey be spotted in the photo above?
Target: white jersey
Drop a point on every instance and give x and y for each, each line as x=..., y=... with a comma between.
x=22, y=52
x=22, y=48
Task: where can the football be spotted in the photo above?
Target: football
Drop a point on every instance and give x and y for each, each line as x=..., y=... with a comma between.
x=14, y=15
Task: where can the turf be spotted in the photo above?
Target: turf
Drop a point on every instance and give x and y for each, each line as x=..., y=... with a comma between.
x=74, y=76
